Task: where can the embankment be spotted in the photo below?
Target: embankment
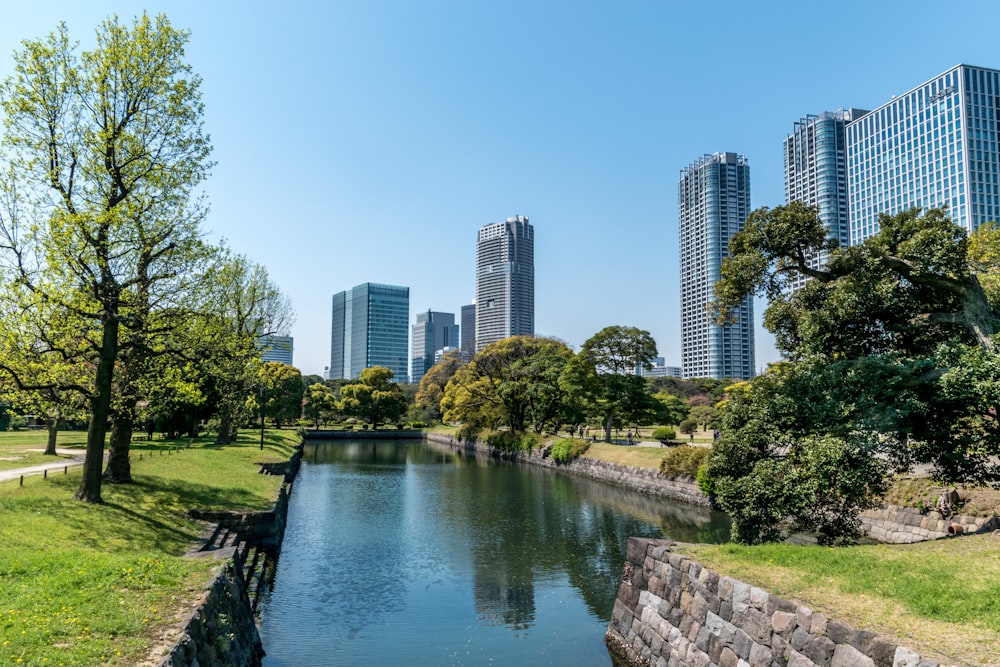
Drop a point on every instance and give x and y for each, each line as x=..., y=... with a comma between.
x=222, y=630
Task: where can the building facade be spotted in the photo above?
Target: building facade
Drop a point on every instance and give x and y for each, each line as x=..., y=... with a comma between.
x=433, y=332
x=816, y=174
x=713, y=199
x=505, y=281
x=277, y=348
x=468, y=332
x=935, y=145
x=369, y=328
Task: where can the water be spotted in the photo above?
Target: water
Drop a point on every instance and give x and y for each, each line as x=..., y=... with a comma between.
x=408, y=553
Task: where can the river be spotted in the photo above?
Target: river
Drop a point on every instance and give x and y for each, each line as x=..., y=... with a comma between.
x=409, y=553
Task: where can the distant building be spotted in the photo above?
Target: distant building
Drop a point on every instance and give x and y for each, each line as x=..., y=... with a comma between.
x=369, y=328
x=713, y=198
x=432, y=332
x=277, y=348
x=816, y=174
x=935, y=145
x=468, y=331
x=505, y=281
x=658, y=369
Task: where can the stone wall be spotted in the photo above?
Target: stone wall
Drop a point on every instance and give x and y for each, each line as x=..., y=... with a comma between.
x=222, y=630
x=901, y=525
x=644, y=480
x=672, y=612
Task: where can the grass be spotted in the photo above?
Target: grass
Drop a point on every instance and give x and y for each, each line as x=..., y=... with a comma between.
x=97, y=584
x=941, y=598
x=640, y=457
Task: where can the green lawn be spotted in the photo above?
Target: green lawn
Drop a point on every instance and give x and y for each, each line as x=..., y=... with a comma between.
x=94, y=585
x=941, y=598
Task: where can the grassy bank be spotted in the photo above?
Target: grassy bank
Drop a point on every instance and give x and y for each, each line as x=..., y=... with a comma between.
x=941, y=598
x=97, y=585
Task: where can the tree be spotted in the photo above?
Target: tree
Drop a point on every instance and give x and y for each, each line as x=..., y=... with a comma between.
x=674, y=410
x=283, y=392
x=432, y=384
x=106, y=150
x=892, y=355
x=375, y=398
x=703, y=414
x=514, y=382
x=321, y=401
x=604, y=372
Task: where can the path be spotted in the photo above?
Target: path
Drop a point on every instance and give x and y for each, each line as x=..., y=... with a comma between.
x=15, y=473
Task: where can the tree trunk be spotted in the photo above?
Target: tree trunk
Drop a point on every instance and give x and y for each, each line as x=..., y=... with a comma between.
x=224, y=436
x=119, y=468
x=52, y=425
x=89, y=490
x=608, y=423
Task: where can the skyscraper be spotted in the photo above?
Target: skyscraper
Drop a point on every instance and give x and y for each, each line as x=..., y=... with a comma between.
x=936, y=145
x=369, y=328
x=468, y=331
x=505, y=281
x=713, y=200
x=816, y=173
x=277, y=348
x=432, y=332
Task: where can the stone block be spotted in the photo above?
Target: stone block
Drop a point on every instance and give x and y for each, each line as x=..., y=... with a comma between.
x=728, y=658
x=796, y=659
x=839, y=633
x=783, y=623
x=694, y=569
x=726, y=610
x=882, y=651
x=741, y=596
x=712, y=582
x=714, y=604
x=803, y=617
x=742, y=644
x=693, y=631
x=726, y=589
x=774, y=603
x=800, y=640
x=846, y=655
x=701, y=641
x=904, y=657
x=820, y=651
x=686, y=600
x=779, y=649
x=760, y=655
x=757, y=625
x=759, y=598
x=818, y=625
x=699, y=608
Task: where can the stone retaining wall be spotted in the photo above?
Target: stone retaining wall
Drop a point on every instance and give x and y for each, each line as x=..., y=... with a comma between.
x=222, y=630
x=672, y=612
x=644, y=480
x=901, y=525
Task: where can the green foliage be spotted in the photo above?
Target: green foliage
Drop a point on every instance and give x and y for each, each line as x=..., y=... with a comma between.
x=512, y=442
x=688, y=426
x=664, y=433
x=683, y=460
x=704, y=480
x=565, y=450
x=375, y=398
x=432, y=384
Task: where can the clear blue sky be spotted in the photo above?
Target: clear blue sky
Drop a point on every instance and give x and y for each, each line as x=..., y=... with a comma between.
x=369, y=140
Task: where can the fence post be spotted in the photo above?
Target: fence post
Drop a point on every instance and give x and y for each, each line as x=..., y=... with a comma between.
x=45, y=474
x=22, y=480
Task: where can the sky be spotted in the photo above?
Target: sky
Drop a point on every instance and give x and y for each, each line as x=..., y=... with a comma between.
x=368, y=141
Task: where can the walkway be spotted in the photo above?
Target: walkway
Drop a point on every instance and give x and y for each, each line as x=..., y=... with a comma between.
x=76, y=460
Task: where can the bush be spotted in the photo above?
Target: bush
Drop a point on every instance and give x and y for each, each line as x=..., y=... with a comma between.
x=467, y=432
x=705, y=482
x=664, y=434
x=418, y=425
x=567, y=449
x=684, y=461
x=688, y=426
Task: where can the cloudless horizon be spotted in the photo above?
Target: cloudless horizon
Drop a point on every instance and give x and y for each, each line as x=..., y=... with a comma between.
x=369, y=141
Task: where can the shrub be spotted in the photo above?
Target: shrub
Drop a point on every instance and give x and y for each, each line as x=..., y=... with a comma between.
x=688, y=426
x=417, y=425
x=467, y=432
x=705, y=482
x=684, y=460
x=664, y=433
x=567, y=449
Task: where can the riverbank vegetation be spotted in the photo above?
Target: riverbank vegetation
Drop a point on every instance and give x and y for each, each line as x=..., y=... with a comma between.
x=102, y=584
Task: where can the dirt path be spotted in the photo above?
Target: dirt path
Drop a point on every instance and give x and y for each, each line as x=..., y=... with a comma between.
x=76, y=460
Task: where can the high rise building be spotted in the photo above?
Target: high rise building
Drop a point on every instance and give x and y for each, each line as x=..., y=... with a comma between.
x=816, y=173
x=432, y=332
x=505, y=281
x=713, y=197
x=277, y=348
x=936, y=145
x=468, y=331
x=369, y=328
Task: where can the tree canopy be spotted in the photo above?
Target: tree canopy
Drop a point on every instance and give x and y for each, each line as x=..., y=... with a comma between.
x=375, y=398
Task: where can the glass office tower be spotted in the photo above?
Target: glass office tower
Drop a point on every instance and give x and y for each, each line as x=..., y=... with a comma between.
x=433, y=332
x=505, y=281
x=935, y=145
x=713, y=201
x=369, y=328
x=816, y=173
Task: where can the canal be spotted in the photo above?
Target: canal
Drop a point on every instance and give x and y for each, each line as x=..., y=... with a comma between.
x=410, y=553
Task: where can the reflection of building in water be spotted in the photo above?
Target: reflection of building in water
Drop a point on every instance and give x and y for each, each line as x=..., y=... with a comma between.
x=504, y=598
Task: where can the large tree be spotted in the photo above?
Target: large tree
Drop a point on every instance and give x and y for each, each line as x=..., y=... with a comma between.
x=283, y=392
x=893, y=363
x=605, y=373
x=106, y=150
x=514, y=382
x=432, y=384
x=374, y=397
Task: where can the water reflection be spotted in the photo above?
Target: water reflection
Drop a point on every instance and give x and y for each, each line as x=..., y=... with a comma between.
x=480, y=560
